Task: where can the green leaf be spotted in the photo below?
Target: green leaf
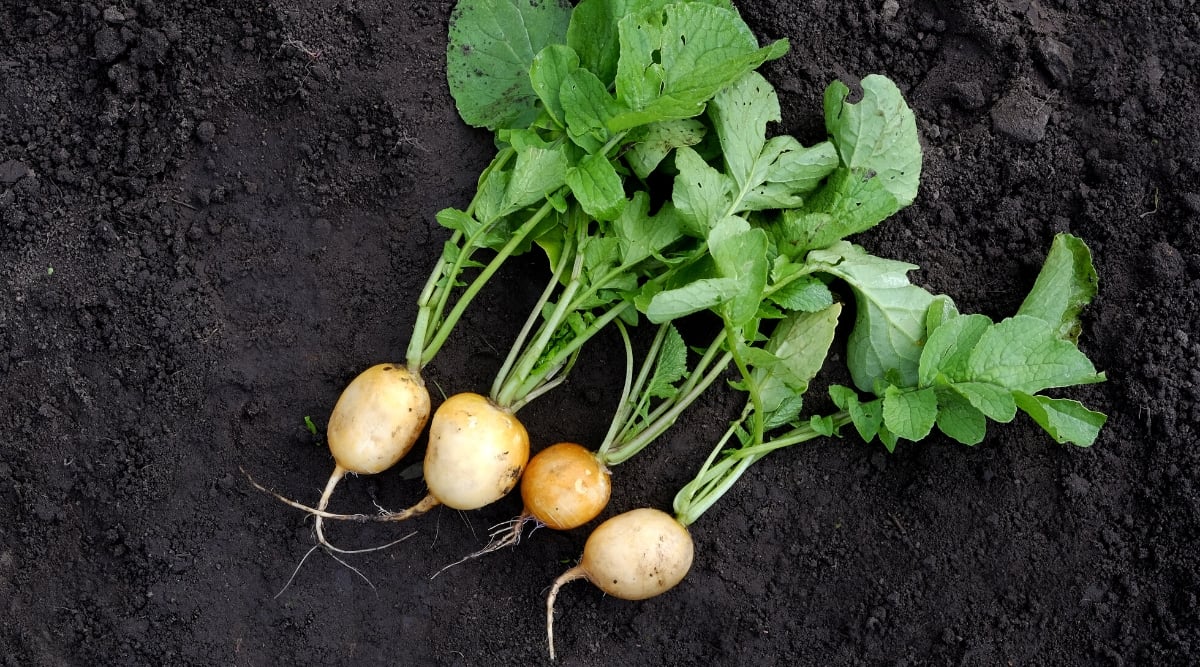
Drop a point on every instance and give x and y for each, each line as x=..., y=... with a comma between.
x=702, y=294
x=949, y=347
x=941, y=310
x=822, y=425
x=1066, y=283
x=910, y=414
x=867, y=417
x=587, y=108
x=958, y=419
x=888, y=438
x=537, y=173
x=593, y=30
x=670, y=366
x=1024, y=353
x=806, y=293
x=797, y=348
x=492, y=44
x=1065, y=420
x=642, y=235
x=880, y=156
x=740, y=113
x=877, y=137
x=889, y=330
x=740, y=252
x=801, y=169
x=702, y=194
x=658, y=142
x=550, y=69
x=993, y=401
x=476, y=234
x=597, y=186
x=767, y=174
x=673, y=59
x=787, y=172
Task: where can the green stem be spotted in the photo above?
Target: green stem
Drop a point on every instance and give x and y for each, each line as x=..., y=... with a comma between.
x=524, y=392
x=714, y=480
x=625, y=406
x=535, y=314
x=508, y=392
x=630, y=442
x=416, y=344
x=446, y=324
x=732, y=338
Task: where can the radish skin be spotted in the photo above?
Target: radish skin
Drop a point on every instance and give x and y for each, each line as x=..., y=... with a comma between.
x=632, y=556
x=477, y=451
x=565, y=486
x=377, y=419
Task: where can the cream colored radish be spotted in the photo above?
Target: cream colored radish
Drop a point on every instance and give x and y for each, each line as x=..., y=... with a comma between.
x=632, y=556
x=377, y=419
x=374, y=423
x=477, y=451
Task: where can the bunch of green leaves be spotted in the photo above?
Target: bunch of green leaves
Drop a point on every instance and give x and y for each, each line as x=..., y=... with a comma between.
x=928, y=365
x=585, y=104
x=765, y=208
x=937, y=367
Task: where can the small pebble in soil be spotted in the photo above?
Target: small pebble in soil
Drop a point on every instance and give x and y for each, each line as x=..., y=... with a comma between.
x=968, y=94
x=12, y=171
x=1058, y=60
x=107, y=45
x=206, y=131
x=1166, y=263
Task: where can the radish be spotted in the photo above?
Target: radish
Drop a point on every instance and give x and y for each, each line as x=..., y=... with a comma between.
x=374, y=423
x=632, y=556
x=476, y=453
x=565, y=486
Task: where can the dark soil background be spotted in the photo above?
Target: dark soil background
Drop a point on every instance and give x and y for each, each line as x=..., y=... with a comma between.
x=213, y=214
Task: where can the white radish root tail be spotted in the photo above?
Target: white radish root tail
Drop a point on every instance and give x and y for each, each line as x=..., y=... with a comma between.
x=570, y=575
x=320, y=514
x=427, y=503
x=507, y=534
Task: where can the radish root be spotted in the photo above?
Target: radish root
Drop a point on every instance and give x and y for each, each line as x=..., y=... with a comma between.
x=570, y=575
x=320, y=514
x=506, y=534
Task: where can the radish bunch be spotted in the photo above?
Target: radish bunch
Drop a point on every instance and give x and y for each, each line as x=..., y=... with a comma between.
x=636, y=150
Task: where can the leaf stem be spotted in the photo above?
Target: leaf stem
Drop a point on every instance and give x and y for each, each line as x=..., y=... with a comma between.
x=447, y=323
x=716, y=477
x=635, y=436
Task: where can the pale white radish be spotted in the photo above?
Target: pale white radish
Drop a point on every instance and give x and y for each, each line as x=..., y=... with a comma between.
x=632, y=556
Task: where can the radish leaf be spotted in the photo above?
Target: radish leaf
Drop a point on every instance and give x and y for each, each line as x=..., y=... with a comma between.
x=492, y=45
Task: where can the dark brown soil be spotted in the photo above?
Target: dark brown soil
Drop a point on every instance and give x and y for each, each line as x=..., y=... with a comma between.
x=213, y=213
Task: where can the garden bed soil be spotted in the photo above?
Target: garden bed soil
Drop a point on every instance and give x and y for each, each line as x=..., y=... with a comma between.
x=213, y=214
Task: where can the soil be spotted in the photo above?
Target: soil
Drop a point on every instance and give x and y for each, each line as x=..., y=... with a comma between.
x=214, y=213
